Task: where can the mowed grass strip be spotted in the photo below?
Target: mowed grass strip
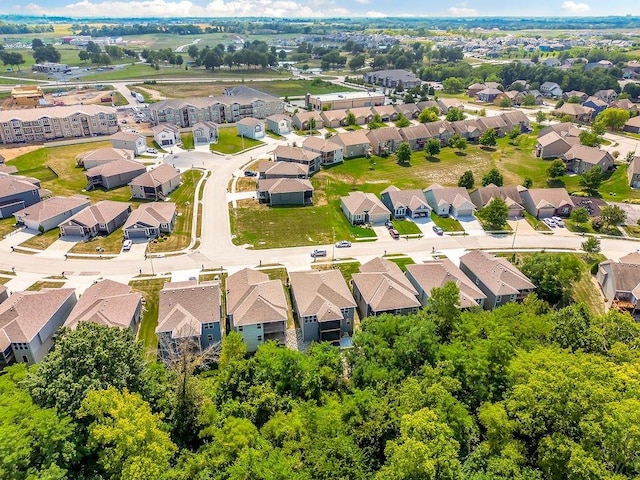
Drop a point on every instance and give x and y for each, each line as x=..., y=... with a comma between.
x=42, y=241
x=229, y=142
x=108, y=244
x=7, y=225
x=39, y=285
x=150, y=290
x=346, y=268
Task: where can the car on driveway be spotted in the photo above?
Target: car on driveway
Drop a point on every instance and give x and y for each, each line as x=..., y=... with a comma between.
x=343, y=244
x=550, y=222
x=152, y=150
x=558, y=221
x=126, y=246
x=438, y=230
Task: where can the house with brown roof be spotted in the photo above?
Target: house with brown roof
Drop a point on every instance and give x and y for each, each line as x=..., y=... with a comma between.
x=388, y=113
x=323, y=304
x=581, y=159
x=446, y=104
x=547, y=202
x=113, y=174
x=102, y=218
x=498, y=279
x=107, y=303
x=150, y=220
x=354, y=144
x=409, y=110
x=50, y=213
x=285, y=191
x=384, y=140
x=330, y=152
x=251, y=128
x=279, y=123
x=285, y=153
x=515, y=118
x=134, y=142
x=334, y=118
x=380, y=287
x=17, y=192
x=100, y=156
x=156, y=184
x=301, y=120
x=497, y=122
x=4, y=293
x=29, y=322
x=565, y=129
x=205, y=133
x=256, y=308
x=269, y=169
x=445, y=201
x=482, y=196
x=607, y=96
x=416, y=136
x=575, y=93
x=552, y=145
x=596, y=104
x=578, y=113
x=632, y=125
x=442, y=130
x=189, y=316
x=363, y=115
x=468, y=129
x=620, y=283
x=166, y=135
x=436, y=274
x=364, y=208
x=625, y=104
x=633, y=172
x=405, y=203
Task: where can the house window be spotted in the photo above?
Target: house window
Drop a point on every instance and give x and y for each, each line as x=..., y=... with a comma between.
x=259, y=338
x=240, y=329
x=210, y=337
x=259, y=326
x=499, y=299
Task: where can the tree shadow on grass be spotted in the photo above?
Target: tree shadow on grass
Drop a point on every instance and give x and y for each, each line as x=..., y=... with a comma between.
x=432, y=159
x=461, y=154
x=487, y=148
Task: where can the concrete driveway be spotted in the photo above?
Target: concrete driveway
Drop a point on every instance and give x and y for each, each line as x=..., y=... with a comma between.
x=425, y=224
x=471, y=226
x=633, y=211
x=138, y=249
x=17, y=238
x=60, y=247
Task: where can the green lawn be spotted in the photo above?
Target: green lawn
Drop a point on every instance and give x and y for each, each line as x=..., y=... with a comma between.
x=632, y=230
x=538, y=225
x=42, y=241
x=579, y=227
x=229, y=142
x=109, y=244
x=347, y=269
x=402, y=262
x=150, y=290
x=187, y=140
x=7, y=225
x=406, y=227
x=39, y=285
x=448, y=224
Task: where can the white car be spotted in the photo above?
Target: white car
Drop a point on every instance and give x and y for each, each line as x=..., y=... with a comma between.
x=126, y=246
x=558, y=221
x=343, y=244
x=550, y=222
x=152, y=150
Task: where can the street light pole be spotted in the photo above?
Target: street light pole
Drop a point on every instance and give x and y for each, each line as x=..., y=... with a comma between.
x=514, y=234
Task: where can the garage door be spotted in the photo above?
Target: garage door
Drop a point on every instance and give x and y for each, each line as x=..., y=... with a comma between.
x=72, y=230
x=137, y=233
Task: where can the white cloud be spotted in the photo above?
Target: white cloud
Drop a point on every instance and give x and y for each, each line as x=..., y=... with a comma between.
x=363, y=2
x=374, y=14
x=462, y=10
x=574, y=7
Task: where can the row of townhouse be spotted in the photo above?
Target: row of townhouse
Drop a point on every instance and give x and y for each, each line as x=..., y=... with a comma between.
x=55, y=123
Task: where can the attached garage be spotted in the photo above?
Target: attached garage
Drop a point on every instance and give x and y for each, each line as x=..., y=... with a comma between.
x=136, y=231
x=72, y=230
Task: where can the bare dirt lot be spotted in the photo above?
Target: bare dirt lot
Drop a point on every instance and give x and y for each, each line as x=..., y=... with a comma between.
x=72, y=97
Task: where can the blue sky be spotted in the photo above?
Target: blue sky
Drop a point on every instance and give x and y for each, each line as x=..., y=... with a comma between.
x=319, y=8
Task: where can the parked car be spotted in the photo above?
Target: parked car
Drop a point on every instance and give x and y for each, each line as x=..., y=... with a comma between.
x=343, y=244
x=550, y=222
x=152, y=150
x=249, y=173
x=388, y=224
x=126, y=246
x=319, y=252
x=394, y=233
x=558, y=221
x=438, y=230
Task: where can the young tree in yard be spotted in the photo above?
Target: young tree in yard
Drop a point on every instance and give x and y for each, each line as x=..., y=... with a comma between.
x=612, y=118
x=514, y=133
x=459, y=144
x=495, y=213
x=504, y=102
x=428, y=115
x=356, y=62
x=528, y=182
x=350, y=120
x=432, y=147
x=404, y=154
x=494, y=177
x=541, y=116
x=580, y=215
x=590, y=139
x=529, y=100
x=312, y=124
x=466, y=180
x=402, y=121
x=453, y=85
x=488, y=138
x=591, y=180
x=455, y=114
x=556, y=169
x=591, y=245
x=613, y=215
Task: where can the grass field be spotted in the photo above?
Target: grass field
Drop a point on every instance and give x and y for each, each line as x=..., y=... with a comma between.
x=150, y=290
x=187, y=140
x=347, y=269
x=56, y=168
x=109, y=244
x=402, y=262
x=7, y=226
x=43, y=241
x=448, y=224
x=44, y=284
x=246, y=184
x=183, y=198
x=229, y=142
x=406, y=227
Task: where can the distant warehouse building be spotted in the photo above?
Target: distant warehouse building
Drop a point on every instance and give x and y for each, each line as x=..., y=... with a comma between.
x=344, y=100
x=49, y=67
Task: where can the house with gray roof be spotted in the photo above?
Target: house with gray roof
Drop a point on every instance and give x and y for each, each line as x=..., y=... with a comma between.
x=384, y=140
x=102, y=218
x=107, y=303
x=205, y=133
x=166, y=135
x=488, y=95
x=156, y=184
x=189, y=316
x=256, y=307
x=551, y=89
x=269, y=169
x=364, y=208
x=323, y=304
x=381, y=287
x=453, y=201
x=442, y=130
x=632, y=125
x=468, y=129
x=496, y=277
x=482, y=196
x=607, y=96
x=285, y=191
x=553, y=145
x=113, y=174
x=405, y=203
x=436, y=274
x=103, y=155
x=388, y=113
x=578, y=113
x=334, y=118
x=580, y=159
x=17, y=192
x=547, y=202
x=150, y=220
x=29, y=322
x=279, y=123
x=620, y=283
x=633, y=172
x=416, y=136
x=50, y=213
x=251, y=128
x=285, y=153
x=393, y=78
x=409, y=110
x=354, y=144
x=301, y=120
x=330, y=152
x=134, y=142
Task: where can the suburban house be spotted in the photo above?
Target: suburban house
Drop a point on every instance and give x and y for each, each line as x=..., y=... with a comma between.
x=632, y=125
x=468, y=129
x=156, y=184
x=102, y=218
x=107, y=303
x=496, y=277
x=279, y=123
x=100, y=156
x=113, y=174
x=551, y=89
x=205, y=133
x=269, y=169
x=436, y=274
x=380, y=287
x=55, y=123
x=441, y=130
x=482, y=196
x=355, y=144
x=384, y=140
x=566, y=129
x=547, y=202
x=393, y=78
x=416, y=136
x=625, y=104
x=344, y=100
x=445, y=201
x=606, y=96
x=323, y=304
x=301, y=120
x=513, y=97
x=580, y=159
x=488, y=95
x=550, y=62
x=578, y=113
x=50, y=213
x=285, y=191
x=334, y=118
x=474, y=88
x=129, y=141
x=189, y=316
x=497, y=122
x=409, y=110
x=553, y=145
x=575, y=94
x=405, y=203
x=29, y=321
x=166, y=135
x=284, y=153
x=387, y=113
x=446, y=104
x=363, y=115
x=596, y=104
x=16, y=193
x=363, y=208
x=150, y=220
x=251, y=128
x=633, y=172
x=330, y=153
x=256, y=308
x=620, y=283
